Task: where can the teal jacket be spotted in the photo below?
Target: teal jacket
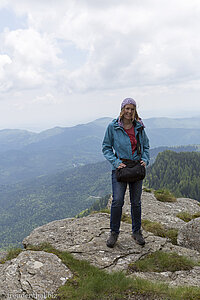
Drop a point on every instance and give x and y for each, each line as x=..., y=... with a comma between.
x=116, y=140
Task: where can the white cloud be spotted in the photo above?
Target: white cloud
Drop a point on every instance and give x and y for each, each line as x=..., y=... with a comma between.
x=5, y=82
x=126, y=47
x=4, y=60
x=30, y=46
x=33, y=56
x=129, y=43
x=47, y=99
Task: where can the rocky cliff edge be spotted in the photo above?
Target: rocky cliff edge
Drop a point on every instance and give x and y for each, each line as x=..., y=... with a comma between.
x=37, y=273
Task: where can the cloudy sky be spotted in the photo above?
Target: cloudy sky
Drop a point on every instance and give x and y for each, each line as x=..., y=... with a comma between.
x=64, y=62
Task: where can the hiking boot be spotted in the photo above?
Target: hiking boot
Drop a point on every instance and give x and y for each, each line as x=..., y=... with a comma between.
x=112, y=239
x=138, y=237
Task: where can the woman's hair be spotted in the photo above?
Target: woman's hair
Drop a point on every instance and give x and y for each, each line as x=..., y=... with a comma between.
x=137, y=118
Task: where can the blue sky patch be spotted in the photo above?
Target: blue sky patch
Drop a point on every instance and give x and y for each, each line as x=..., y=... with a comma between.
x=9, y=20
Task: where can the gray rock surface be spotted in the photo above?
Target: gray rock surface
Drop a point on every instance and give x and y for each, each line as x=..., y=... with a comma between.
x=85, y=239
x=164, y=212
x=32, y=275
x=189, y=235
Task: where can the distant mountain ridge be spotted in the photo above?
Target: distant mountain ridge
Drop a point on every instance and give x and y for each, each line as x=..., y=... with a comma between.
x=25, y=155
x=15, y=139
x=189, y=123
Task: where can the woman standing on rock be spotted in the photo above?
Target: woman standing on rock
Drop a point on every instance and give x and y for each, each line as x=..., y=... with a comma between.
x=120, y=144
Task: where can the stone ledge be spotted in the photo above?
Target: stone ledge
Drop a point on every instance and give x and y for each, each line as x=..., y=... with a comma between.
x=32, y=275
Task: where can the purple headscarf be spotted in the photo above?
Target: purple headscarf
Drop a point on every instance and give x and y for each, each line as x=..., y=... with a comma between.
x=128, y=101
x=125, y=102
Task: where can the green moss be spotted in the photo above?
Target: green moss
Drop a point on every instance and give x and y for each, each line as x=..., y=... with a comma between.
x=164, y=195
x=161, y=262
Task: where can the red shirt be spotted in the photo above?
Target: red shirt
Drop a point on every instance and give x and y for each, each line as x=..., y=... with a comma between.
x=131, y=134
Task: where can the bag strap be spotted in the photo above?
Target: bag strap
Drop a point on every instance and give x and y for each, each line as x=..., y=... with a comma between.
x=138, y=142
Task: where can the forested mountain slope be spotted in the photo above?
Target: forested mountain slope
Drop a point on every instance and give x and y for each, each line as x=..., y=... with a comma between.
x=30, y=204
x=189, y=148
x=178, y=172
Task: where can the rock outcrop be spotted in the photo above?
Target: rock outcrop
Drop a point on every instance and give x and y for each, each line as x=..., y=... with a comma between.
x=32, y=275
x=85, y=239
x=164, y=212
x=189, y=235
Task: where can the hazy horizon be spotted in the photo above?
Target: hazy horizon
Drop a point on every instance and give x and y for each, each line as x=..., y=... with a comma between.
x=38, y=129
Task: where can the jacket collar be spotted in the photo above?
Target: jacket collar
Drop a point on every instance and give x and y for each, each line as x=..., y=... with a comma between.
x=137, y=125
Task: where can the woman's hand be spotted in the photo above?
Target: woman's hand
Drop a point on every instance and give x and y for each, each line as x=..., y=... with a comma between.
x=143, y=163
x=122, y=165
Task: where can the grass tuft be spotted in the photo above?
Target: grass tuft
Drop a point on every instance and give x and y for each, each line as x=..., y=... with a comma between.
x=196, y=215
x=105, y=210
x=172, y=235
x=147, y=190
x=11, y=254
x=164, y=195
x=187, y=217
x=161, y=262
x=159, y=230
x=154, y=227
x=126, y=218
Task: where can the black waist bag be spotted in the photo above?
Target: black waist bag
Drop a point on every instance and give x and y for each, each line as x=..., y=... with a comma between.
x=133, y=171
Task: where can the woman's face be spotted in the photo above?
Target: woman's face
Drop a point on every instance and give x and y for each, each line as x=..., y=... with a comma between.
x=129, y=112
